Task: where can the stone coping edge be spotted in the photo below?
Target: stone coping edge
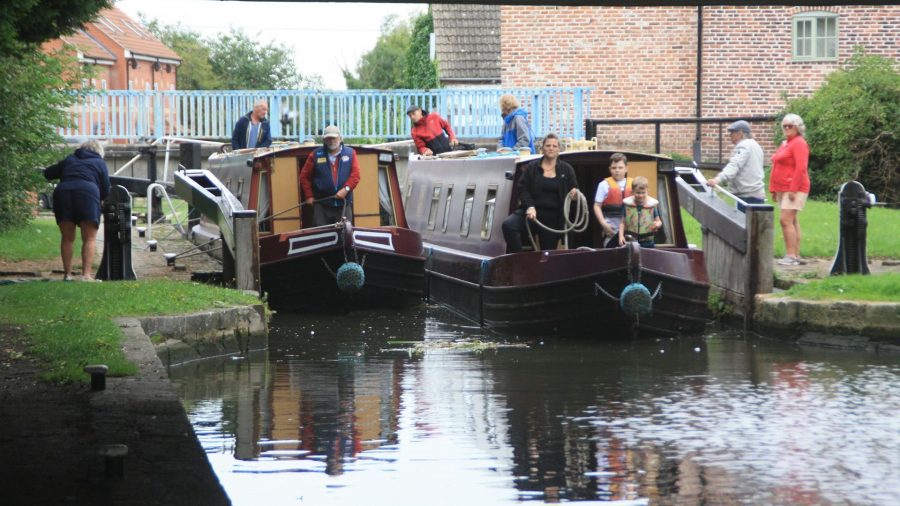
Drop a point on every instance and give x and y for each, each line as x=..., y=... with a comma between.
x=179, y=339
x=856, y=325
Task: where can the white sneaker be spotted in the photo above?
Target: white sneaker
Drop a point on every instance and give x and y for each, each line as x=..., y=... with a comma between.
x=788, y=261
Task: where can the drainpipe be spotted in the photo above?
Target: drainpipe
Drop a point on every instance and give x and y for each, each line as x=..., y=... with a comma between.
x=699, y=98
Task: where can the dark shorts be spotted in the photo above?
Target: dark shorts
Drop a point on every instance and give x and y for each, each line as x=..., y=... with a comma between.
x=76, y=206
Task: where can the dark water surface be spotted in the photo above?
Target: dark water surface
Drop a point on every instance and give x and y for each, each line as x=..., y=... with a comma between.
x=339, y=411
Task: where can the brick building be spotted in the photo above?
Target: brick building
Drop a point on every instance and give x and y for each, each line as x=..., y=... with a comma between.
x=643, y=61
x=122, y=53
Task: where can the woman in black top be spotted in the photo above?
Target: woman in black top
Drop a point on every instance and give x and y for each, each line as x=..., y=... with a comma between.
x=542, y=189
x=83, y=184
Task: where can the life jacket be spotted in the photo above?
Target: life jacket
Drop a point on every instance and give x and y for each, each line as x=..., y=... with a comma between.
x=324, y=184
x=612, y=204
x=638, y=220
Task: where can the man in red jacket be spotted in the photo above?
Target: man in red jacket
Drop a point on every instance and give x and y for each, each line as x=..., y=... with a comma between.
x=431, y=133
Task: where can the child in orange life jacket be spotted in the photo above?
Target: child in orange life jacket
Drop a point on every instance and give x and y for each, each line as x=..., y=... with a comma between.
x=641, y=219
x=611, y=192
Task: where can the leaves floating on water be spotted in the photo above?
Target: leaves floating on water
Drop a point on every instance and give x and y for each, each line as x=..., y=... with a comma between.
x=474, y=346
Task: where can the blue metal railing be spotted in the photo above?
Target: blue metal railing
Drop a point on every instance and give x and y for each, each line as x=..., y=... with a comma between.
x=473, y=112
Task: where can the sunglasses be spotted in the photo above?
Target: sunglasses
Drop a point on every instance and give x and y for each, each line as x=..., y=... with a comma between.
x=787, y=126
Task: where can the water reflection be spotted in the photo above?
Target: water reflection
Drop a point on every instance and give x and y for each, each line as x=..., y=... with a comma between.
x=339, y=411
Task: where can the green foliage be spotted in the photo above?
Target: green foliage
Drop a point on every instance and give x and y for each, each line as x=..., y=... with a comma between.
x=232, y=61
x=30, y=22
x=69, y=324
x=383, y=66
x=421, y=71
x=718, y=307
x=195, y=71
x=242, y=63
x=852, y=128
x=34, y=94
x=36, y=240
x=876, y=288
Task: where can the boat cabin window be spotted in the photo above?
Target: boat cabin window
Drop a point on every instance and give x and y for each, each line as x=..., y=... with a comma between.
x=487, y=221
x=435, y=202
x=467, y=211
x=262, y=204
x=385, y=202
x=664, y=234
x=447, y=200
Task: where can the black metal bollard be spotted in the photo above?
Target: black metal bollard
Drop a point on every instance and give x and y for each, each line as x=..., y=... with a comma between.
x=851, y=253
x=98, y=376
x=116, y=261
x=114, y=460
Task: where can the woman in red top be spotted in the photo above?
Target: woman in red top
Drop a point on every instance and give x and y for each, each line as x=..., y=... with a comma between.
x=789, y=184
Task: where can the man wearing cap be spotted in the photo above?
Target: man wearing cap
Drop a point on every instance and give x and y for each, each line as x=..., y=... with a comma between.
x=252, y=130
x=431, y=133
x=328, y=178
x=744, y=171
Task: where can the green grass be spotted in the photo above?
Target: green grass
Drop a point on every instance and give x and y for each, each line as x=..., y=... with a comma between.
x=819, y=223
x=69, y=324
x=39, y=240
x=880, y=288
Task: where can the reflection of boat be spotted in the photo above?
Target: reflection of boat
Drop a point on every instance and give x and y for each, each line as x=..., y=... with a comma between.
x=299, y=264
x=459, y=205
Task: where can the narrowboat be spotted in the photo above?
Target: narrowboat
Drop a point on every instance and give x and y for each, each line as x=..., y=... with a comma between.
x=300, y=266
x=458, y=205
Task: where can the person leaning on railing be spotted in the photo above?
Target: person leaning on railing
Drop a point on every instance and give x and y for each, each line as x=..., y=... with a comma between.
x=431, y=133
x=744, y=171
x=83, y=185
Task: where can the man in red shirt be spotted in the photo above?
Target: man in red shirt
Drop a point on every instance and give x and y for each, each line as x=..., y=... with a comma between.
x=431, y=133
x=328, y=178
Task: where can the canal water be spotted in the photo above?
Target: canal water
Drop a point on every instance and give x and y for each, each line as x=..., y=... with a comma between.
x=419, y=407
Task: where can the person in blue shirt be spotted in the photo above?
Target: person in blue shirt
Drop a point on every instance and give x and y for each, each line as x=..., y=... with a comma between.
x=516, y=129
x=83, y=184
x=253, y=130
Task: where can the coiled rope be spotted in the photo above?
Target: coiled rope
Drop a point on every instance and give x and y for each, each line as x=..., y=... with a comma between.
x=579, y=224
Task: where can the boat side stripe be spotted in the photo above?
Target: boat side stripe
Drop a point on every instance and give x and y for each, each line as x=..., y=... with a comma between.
x=295, y=244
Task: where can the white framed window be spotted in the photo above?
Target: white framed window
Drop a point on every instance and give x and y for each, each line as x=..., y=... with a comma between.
x=815, y=36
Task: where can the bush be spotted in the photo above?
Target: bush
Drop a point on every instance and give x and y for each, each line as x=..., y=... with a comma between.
x=852, y=128
x=34, y=95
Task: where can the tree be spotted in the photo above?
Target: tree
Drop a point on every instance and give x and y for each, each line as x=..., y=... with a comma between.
x=34, y=95
x=242, y=63
x=195, y=71
x=421, y=70
x=383, y=67
x=32, y=22
x=852, y=128
x=35, y=91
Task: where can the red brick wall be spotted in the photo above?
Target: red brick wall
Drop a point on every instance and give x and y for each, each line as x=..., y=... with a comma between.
x=641, y=62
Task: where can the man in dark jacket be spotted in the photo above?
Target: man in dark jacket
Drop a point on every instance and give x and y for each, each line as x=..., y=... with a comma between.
x=252, y=130
x=431, y=133
x=328, y=178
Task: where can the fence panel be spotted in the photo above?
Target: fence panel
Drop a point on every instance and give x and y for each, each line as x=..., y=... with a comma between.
x=300, y=114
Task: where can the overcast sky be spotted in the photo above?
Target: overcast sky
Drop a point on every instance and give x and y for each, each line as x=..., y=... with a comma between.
x=324, y=36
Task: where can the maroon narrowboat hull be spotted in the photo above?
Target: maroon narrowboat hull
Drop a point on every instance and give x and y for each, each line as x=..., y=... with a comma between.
x=459, y=206
x=298, y=269
x=559, y=292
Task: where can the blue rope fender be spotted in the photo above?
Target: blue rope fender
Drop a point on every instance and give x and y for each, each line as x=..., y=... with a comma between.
x=636, y=300
x=350, y=277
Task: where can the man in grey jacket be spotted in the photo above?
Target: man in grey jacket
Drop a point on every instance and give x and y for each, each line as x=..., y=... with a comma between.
x=744, y=171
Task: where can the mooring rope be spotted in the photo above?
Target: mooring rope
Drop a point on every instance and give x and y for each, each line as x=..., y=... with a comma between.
x=579, y=224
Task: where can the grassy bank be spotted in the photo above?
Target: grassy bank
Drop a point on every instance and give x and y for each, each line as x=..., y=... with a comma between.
x=819, y=223
x=69, y=324
x=881, y=288
x=37, y=241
